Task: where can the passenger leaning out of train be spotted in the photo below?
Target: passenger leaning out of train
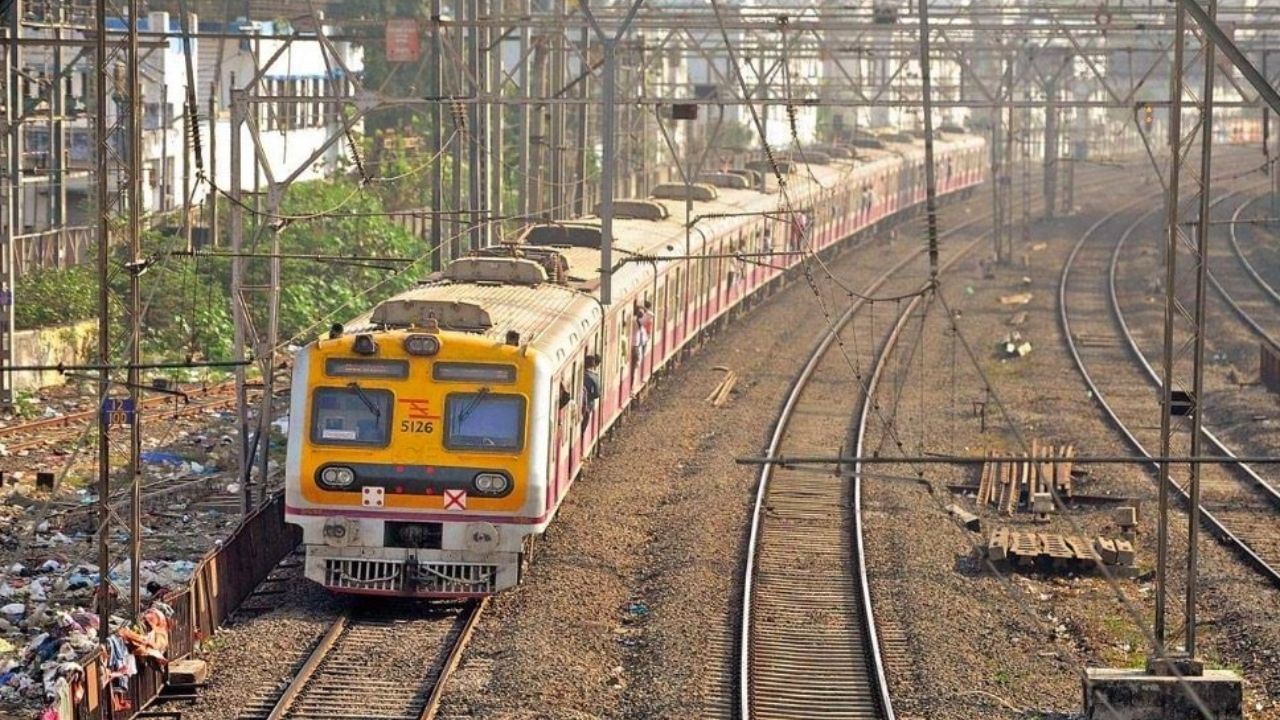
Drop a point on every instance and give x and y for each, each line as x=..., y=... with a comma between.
x=641, y=332
x=590, y=387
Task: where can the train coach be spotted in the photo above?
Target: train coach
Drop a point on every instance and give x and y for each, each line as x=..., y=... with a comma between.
x=433, y=439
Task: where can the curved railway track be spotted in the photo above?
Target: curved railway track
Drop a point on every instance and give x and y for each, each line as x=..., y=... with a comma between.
x=808, y=643
x=1250, y=296
x=375, y=665
x=1237, y=504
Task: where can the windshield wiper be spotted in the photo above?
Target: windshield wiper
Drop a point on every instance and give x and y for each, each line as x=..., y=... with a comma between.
x=471, y=406
x=364, y=398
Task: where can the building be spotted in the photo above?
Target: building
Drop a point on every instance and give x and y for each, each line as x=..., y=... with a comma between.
x=51, y=98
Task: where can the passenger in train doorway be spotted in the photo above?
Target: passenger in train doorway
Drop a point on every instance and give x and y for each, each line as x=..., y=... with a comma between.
x=641, y=333
x=591, y=388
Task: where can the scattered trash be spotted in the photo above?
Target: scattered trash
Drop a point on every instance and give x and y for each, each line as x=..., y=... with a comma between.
x=638, y=609
x=161, y=458
x=1016, y=299
x=1014, y=345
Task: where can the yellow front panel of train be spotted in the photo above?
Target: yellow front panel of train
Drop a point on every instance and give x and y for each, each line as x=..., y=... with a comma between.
x=415, y=421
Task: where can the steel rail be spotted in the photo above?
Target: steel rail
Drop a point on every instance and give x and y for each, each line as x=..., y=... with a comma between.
x=344, y=626
x=1253, y=272
x=1232, y=301
x=455, y=656
x=864, y=583
x=766, y=471
x=308, y=669
x=1118, y=313
x=1216, y=526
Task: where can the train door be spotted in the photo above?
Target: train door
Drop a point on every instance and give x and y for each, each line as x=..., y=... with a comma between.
x=645, y=325
x=562, y=448
x=661, y=314
x=624, y=356
x=577, y=411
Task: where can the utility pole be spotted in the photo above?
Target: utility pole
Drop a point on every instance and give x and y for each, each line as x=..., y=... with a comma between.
x=235, y=218
x=435, y=67
x=609, y=129
x=58, y=136
x=16, y=139
x=475, y=128
x=931, y=188
x=102, y=151
x=524, y=76
x=1170, y=283
x=135, y=268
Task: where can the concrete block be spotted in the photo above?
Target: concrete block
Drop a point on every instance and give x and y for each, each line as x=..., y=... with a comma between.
x=188, y=672
x=1125, y=516
x=997, y=548
x=1128, y=694
x=1042, y=503
x=968, y=519
x=1106, y=550
x=1124, y=552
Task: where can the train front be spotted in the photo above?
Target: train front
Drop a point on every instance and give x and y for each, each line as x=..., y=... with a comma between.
x=412, y=462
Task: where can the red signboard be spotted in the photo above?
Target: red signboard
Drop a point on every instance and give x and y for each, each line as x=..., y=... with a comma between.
x=404, y=43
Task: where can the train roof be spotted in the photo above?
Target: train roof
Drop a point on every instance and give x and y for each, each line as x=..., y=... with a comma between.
x=546, y=313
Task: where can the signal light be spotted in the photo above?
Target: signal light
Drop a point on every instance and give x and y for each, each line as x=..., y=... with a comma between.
x=1148, y=115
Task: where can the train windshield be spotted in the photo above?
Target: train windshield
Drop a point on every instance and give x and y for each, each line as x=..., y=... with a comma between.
x=484, y=421
x=352, y=415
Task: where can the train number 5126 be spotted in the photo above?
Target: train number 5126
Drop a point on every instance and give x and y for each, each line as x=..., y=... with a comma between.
x=417, y=426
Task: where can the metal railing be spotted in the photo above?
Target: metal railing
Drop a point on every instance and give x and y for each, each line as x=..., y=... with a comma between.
x=221, y=581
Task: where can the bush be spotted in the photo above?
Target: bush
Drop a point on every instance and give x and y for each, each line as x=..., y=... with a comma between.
x=56, y=297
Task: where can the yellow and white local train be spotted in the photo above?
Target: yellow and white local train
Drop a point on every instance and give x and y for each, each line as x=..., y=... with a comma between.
x=432, y=440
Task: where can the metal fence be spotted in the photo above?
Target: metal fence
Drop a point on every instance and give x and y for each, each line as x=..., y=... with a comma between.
x=61, y=248
x=221, y=581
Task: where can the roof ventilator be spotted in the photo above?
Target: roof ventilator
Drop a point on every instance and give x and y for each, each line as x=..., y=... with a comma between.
x=502, y=270
x=408, y=313
x=678, y=191
x=551, y=260
x=636, y=209
x=564, y=235
x=731, y=181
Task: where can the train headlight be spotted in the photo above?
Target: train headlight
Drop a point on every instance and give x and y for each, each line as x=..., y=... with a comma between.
x=422, y=344
x=336, y=477
x=491, y=483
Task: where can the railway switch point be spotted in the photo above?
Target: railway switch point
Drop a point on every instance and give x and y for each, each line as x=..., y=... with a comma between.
x=1135, y=694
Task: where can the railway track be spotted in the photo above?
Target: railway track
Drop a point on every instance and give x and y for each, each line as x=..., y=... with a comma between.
x=1249, y=296
x=1237, y=504
x=807, y=639
x=379, y=664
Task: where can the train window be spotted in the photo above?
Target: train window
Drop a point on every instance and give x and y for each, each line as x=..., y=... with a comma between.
x=483, y=421
x=350, y=416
